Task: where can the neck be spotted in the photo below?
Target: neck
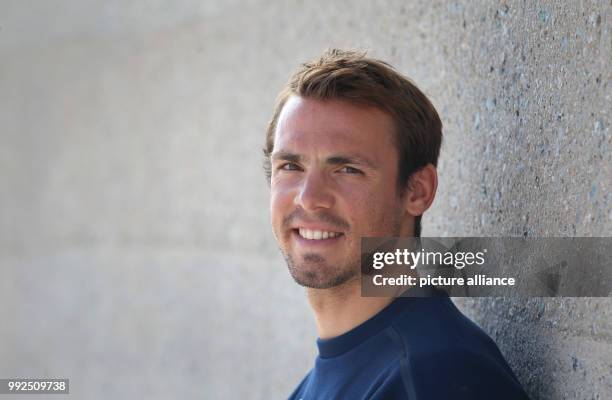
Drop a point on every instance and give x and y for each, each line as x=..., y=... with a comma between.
x=340, y=309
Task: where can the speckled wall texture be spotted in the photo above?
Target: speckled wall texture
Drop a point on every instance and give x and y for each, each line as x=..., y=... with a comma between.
x=135, y=250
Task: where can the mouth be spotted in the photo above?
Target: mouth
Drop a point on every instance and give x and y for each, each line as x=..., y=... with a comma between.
x=312, y=234
x=315, y=237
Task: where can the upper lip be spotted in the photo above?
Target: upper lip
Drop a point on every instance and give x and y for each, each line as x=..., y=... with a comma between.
x=316, y=227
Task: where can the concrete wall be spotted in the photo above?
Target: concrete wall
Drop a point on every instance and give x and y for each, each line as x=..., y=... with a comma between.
x=135, y=253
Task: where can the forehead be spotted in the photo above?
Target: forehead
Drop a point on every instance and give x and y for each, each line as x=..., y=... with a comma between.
x=336, y=125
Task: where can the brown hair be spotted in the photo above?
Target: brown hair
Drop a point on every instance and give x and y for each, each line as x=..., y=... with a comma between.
x=351, y=76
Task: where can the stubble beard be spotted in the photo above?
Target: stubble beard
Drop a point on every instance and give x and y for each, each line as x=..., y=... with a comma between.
x=315, y=273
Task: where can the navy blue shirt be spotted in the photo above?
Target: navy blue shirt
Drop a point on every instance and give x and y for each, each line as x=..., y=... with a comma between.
x=416, y=348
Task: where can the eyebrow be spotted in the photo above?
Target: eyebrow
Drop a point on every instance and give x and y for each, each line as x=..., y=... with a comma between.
x=336, y=159
x=286, y=156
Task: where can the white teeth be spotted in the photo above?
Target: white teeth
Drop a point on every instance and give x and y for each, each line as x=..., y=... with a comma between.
x=317, y=235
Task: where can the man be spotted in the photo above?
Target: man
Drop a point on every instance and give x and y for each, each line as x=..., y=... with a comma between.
x=351, y=152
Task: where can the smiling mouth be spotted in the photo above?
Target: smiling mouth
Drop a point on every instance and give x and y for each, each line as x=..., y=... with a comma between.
x=310, y=234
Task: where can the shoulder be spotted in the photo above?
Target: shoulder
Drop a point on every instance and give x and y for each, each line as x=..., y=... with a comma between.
x=298, y=392
x=462, y=373
x=435, y=325
x=446, y=355
x=392, y=386
x=448, y=374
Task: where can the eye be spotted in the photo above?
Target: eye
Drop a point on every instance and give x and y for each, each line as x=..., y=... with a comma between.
x=289, y=167
x=350, y=170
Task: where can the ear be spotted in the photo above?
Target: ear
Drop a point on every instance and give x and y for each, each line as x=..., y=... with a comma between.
x=421, y=190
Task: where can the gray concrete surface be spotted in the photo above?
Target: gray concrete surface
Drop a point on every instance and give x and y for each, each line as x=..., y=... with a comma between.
x=135, y=253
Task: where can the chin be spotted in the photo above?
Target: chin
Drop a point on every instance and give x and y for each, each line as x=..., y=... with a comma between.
x=319, y=275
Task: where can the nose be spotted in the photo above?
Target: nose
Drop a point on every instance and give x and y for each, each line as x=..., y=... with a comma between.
x=315, y=192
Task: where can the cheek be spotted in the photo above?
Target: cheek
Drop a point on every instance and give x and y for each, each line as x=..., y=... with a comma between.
x=371, y=211
x=280, y=204
x=355, y=205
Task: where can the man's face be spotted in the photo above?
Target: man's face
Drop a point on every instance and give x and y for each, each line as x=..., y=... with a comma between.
x=334, y=180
